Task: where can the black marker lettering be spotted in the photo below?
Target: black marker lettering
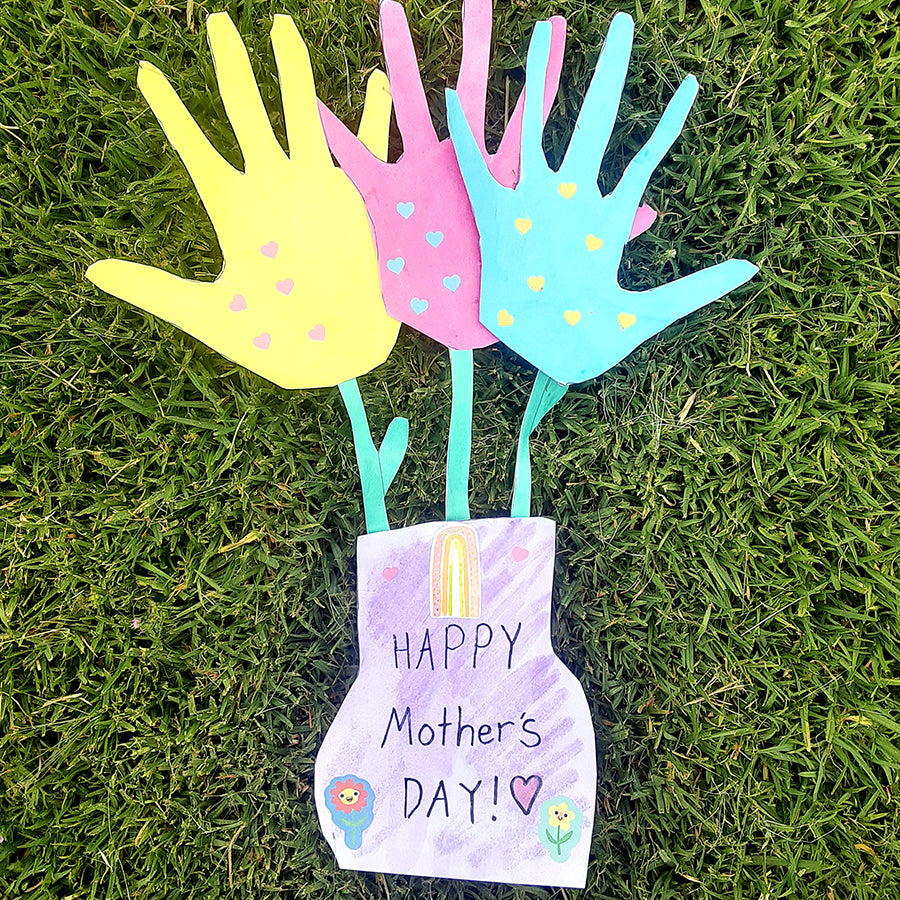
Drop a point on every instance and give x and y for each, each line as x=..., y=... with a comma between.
x=398, y=652
x=530, y=731
x=407, y=718
x=461, y=727
x=439, y=794
x=512, y=642
x=478, y=644
x=500, y=727
x=484, y=731
x=426, y=648
x=471, y=794
x=407, y=812
x=444, y=724
x=448, y=646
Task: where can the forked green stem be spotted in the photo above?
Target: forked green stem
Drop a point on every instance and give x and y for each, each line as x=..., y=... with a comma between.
x=377, y=468
x=545, y=394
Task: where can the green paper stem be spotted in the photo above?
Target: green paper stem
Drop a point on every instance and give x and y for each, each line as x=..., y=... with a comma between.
x=459, y=445
x=545, y=394
x=377, y=468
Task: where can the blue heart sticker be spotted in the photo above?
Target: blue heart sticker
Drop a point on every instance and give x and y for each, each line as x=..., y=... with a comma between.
x=396, y=265
x=406, y=209
x=434, y=237
x=418, y=306
x=451, y=282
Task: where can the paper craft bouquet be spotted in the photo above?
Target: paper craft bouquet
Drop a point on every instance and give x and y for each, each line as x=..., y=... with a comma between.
x=465, y=747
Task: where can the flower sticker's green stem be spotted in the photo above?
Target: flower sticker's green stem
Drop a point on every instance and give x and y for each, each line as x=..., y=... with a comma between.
x=559, y=840
x=351, y=802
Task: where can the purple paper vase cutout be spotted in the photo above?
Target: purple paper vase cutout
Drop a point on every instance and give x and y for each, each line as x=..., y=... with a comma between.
x=462, y=720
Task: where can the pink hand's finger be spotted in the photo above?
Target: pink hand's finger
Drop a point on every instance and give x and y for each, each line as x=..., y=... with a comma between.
x=410, y=106
x=505, y=164
x=555, y=62
x=358, y=163
x=471, y=86
x=643, y=219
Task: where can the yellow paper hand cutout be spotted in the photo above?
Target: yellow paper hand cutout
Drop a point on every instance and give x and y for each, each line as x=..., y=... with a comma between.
x=298, y=299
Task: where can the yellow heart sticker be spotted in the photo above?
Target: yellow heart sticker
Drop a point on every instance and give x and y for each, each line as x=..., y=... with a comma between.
x=626, y=320
x=504, y=318
x=523, y=226
x=536, y=283
x=568, y=188
x=572, y=316
x=593, y=242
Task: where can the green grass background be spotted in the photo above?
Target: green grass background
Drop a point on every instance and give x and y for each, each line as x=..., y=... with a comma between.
x=177, y=536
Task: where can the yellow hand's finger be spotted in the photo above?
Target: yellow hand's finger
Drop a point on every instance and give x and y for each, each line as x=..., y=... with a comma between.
x=178, y=300
x=306, y=139
x=208, y=170
x=376, y=118
x=336, y=329
x=240, y=95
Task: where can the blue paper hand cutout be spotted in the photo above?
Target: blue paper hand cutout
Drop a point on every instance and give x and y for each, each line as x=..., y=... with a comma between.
x=551, y=247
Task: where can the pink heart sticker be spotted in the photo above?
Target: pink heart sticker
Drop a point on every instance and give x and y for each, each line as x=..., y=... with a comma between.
x=238, y=303
x=270, y=249
x=389, y=573
x=285, y=287
x=317, y=333
x=519, y=553
x=262, y=341
x=525, y=790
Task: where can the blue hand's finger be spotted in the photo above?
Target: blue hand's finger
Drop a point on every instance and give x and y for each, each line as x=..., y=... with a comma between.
x=533, y=159
x=480, y=184
x=601, y=105
x=678, y=298
x=505, y=164
x=634, y=181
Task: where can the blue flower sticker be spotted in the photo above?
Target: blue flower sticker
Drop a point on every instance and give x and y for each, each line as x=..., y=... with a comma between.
x=351, y=802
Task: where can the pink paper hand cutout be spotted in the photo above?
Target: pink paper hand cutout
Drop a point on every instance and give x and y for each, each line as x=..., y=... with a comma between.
x=425, y=235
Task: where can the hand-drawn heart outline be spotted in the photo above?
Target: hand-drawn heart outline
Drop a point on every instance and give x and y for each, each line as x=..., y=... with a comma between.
x=522, y=789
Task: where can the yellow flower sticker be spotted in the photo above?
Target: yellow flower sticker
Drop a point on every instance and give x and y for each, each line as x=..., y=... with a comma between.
x=561, y=816
x=560, y=827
